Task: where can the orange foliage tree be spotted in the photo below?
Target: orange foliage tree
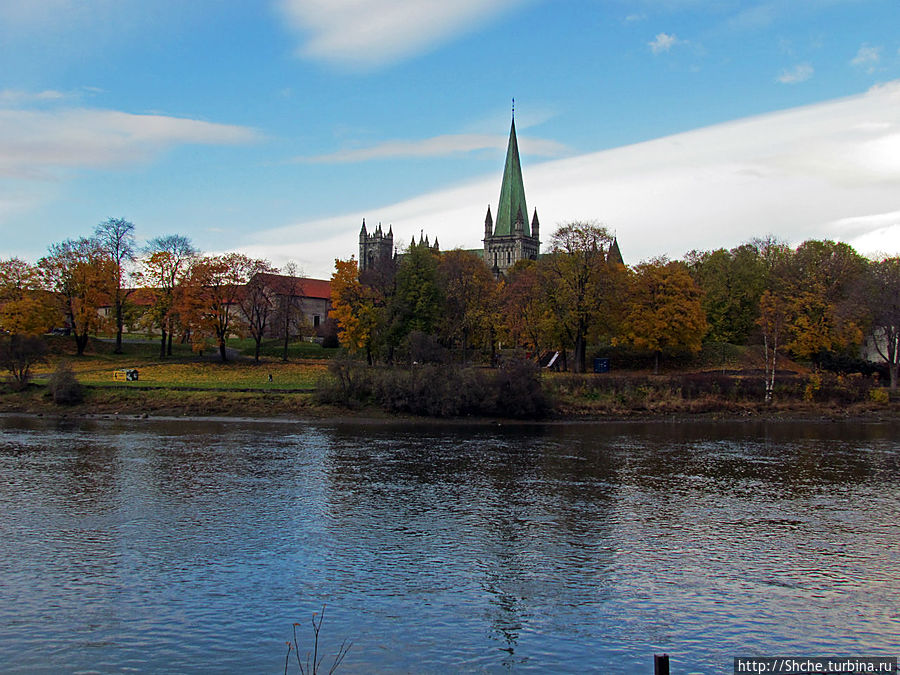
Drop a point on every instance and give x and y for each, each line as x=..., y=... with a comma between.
x=663, y=310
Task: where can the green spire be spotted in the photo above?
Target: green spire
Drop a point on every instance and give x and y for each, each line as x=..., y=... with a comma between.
x=512, y=191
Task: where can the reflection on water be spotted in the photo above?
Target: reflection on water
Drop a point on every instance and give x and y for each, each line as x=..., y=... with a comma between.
x=193, y=546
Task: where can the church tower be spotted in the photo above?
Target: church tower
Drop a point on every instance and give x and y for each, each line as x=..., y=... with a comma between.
x=510, y=238
x=374, y=247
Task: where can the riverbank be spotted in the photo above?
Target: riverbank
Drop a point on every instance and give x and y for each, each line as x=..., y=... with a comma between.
x=302, y=405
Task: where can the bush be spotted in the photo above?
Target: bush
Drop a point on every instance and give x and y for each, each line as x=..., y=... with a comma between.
x=64, y=386
x=348, y=383
x=18, y=353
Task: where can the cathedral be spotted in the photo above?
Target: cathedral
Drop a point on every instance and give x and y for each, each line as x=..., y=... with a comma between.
x=507, y=239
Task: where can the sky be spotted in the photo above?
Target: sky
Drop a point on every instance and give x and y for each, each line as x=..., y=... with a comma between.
x=274, y=127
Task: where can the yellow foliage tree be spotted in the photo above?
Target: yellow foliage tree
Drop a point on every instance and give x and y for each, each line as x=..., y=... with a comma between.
x=353, y=307
x=663, y=310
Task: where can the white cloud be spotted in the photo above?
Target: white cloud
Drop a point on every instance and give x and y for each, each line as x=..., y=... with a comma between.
x=867, y=57
x=36, y=143
x=440, y=146
x=830, y=170
x=663, y=42
x=15, y=97
x=371, y=33
x=799, y=73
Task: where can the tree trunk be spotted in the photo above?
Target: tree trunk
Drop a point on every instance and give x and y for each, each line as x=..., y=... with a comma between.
x=222, y=351
x=579, y=354
x=169, y=344
x=256, y=354
x=162, y=344
x=656, y=362
x=120, y=321
x=80, y=343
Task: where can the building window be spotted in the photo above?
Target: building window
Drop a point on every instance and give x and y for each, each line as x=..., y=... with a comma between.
x=315, y=320
x=508, y=257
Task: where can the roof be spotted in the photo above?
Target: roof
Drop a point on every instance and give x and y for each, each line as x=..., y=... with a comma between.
x=512, y=191
x=308, y=288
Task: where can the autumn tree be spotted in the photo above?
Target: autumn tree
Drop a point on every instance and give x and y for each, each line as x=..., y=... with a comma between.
x=470, y=296
x=163, y=267
x=580, y=283
x=352, y=307
x=816, y=281
x=527, y=319
x=18, y=353
x=25, y=308
x=664, y=311
x=116, y=238
x=212, y=293
x=83, y=277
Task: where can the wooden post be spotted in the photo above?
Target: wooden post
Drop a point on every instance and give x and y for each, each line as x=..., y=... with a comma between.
x=660, y=664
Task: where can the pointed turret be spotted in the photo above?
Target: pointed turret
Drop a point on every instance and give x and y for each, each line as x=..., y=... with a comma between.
x=512, y=190
x=362, y=231
x=436, y=246
x=614, y=256
x=535, y=225
x=488, y=223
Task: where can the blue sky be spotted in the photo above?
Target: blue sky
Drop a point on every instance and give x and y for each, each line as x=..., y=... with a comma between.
x=274, y=126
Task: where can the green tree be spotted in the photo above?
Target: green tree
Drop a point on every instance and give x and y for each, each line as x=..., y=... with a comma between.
x=732, y=283
x=417, y=302
x=664, y=311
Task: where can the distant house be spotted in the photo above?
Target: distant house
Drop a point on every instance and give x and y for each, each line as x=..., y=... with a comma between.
x=312, y=295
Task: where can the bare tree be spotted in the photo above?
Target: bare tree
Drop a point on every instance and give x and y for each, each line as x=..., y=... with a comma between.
x=116, y=238
x=258, y=301
x=288, y=310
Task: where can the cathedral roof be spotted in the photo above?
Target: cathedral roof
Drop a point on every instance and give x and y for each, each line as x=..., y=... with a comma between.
x=512, y=191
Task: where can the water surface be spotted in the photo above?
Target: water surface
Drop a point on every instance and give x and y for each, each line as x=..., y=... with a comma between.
x=176, y=546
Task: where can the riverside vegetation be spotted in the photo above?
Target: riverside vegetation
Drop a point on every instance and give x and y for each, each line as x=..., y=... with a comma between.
x=761, y=327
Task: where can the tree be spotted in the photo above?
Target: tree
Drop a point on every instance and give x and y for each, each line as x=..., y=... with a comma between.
x=771, y=320
x=25, y=308
x=18, y=353
x=163, y=267
x=353, y=308
x=881, y=297
x=527, y=319
x=417, y=301
x=732, y=283
x=83, y=277
x=470, y=295
x=581, y=281
x=288, y=311
x=257, y=301
x=816, y=282
x=664, y=311
x=116, y=238
x=210, y=300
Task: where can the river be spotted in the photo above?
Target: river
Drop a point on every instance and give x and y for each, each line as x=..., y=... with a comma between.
x=194, y=546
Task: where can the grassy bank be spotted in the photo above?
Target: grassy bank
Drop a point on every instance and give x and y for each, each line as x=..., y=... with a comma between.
x=190, y=385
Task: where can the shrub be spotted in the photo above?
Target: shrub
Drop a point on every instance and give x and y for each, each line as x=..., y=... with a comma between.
x=64, y=386
x=348, y=383
x=18, y=353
